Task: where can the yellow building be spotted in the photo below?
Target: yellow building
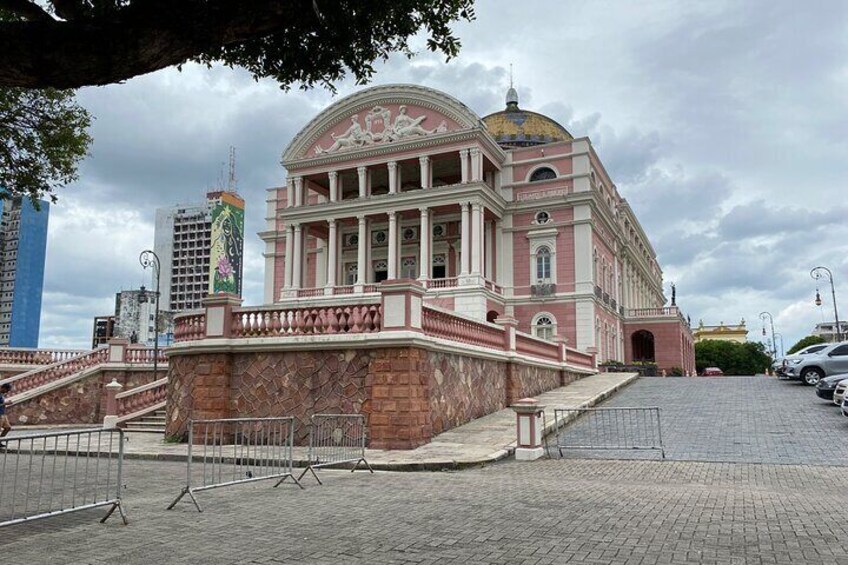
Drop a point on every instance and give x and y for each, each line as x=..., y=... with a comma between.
x=721, y=332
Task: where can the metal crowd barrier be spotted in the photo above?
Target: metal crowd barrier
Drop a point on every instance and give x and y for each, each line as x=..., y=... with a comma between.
x=237, y=450
x=607, y=428
x=48, y=474
x=336, y=439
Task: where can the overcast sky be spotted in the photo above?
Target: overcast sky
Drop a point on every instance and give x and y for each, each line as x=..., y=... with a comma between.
x=723, y=123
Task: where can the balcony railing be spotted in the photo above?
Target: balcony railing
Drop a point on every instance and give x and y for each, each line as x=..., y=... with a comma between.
x=665, y=311
x=26, y=356
x=281, y=322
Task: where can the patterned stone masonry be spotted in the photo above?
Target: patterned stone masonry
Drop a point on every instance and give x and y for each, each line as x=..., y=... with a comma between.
x=82, y=402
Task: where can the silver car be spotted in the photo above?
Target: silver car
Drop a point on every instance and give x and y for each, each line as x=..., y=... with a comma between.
x=779, y=366
x=831, y=360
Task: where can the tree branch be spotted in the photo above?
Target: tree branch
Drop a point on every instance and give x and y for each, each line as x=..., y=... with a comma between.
x=142, y=37
x=26, y=9
x=68, y=9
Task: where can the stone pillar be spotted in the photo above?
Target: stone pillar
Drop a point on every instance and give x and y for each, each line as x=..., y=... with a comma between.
x=465, y=248
x=510, y=325
x=332, y=252
x=402, y=301
x=118, y=349
x=297, y=257
x=298, y=191
x=361, y=253
x=424, y=233
x=476, y=237
x=475, y=165
x=463, y=164
x=362, y=172
x=488, y=250
x=425, y=171
x=529, y=432
x=110, y=419
x=393, y=184
x=498, y=246
x=289, y=192
x=393, y=246
x=289, y=263
x=334, y=186
x=219, y=314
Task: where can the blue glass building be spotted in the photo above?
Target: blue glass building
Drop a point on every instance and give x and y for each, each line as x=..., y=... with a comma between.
x=23, y=248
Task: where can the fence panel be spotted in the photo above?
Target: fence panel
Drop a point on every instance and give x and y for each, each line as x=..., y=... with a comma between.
x=237, y=450
x=48, y=474
x=620, y=428
x=336, y=439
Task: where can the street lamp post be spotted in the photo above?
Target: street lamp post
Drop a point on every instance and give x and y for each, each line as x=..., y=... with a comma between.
x=780, y=337
x=149, y=259
x=763, y=316
x=818, y=273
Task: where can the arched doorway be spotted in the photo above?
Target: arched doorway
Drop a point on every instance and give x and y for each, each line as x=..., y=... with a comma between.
x=643, y=345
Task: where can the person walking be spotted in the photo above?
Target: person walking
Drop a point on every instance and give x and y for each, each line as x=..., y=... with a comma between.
x=5, y=426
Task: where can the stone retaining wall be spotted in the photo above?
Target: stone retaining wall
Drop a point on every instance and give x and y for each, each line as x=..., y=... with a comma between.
x=408, y=394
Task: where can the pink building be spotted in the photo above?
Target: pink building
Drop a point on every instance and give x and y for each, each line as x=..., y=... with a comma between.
x=506, y=216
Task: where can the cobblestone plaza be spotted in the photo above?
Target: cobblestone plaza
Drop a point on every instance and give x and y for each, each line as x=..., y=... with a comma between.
x=741, y=510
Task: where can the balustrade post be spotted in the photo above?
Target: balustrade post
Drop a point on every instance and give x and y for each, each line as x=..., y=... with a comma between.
x=118, y=349
x=510, y=325
x=593, y=352
x=529, y=432
x=402, y=301
x=219, y=314
x=110, y=419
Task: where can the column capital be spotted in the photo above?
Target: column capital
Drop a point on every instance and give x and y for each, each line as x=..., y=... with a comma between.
x=333, y=174
x=331, y=221
x=424, y=159
x=297, y=227
x=362, y=218
x=474, y=150
x=361, y=169
x=476, y=206
x=424, y=210
x=463, y=152
x=392, y=164
x=392, y=215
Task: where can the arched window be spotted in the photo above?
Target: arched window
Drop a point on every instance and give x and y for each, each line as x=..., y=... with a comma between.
x=544, y=327
x=543, y=264
x=543, y=173
x=409, y=268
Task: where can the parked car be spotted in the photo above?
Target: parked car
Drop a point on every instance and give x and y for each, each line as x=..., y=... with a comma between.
x=826, y=386
x=832, y=360
x=844, y=408
x=839, y=391
x=713, y=372
x=779, y=366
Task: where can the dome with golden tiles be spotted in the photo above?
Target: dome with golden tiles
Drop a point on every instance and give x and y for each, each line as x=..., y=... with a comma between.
x=514, y=127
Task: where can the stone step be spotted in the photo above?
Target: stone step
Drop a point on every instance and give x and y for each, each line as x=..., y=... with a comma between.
x=146, y=430
x=145, y=425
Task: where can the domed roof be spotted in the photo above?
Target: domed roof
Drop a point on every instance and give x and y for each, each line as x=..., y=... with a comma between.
x=514, y=127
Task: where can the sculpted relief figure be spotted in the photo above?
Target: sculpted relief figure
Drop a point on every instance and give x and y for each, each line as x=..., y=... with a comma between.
x=403, y=127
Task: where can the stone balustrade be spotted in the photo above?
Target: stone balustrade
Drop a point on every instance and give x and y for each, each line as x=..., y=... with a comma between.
x=579, y=358
x=142, y=355
x=534, y=347
x=44, y=375
x=26, y=356
x=444, y=325
x=190, y=326
x=141, y=397
x=273, y=322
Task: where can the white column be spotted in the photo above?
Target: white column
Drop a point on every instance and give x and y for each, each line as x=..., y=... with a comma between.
x=289, y=192
x=393, y=245
x=298, y=191
x=393, y=166
x=425, y=234
x=498, y=245
x=475, y=165
x=287, y=277
x=332, y=252
x=361, y=255
x=465, y=235
x=297, y=257
x=334, y=185
x=488, y=246
x=463, y=164
x=476, y=237
x=363, y=181
x=425, y=171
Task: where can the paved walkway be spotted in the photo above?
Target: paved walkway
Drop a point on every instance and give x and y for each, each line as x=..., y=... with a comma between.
x=481, y=441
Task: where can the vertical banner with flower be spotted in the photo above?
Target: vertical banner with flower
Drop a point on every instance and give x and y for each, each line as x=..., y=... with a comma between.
x=225, y=260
